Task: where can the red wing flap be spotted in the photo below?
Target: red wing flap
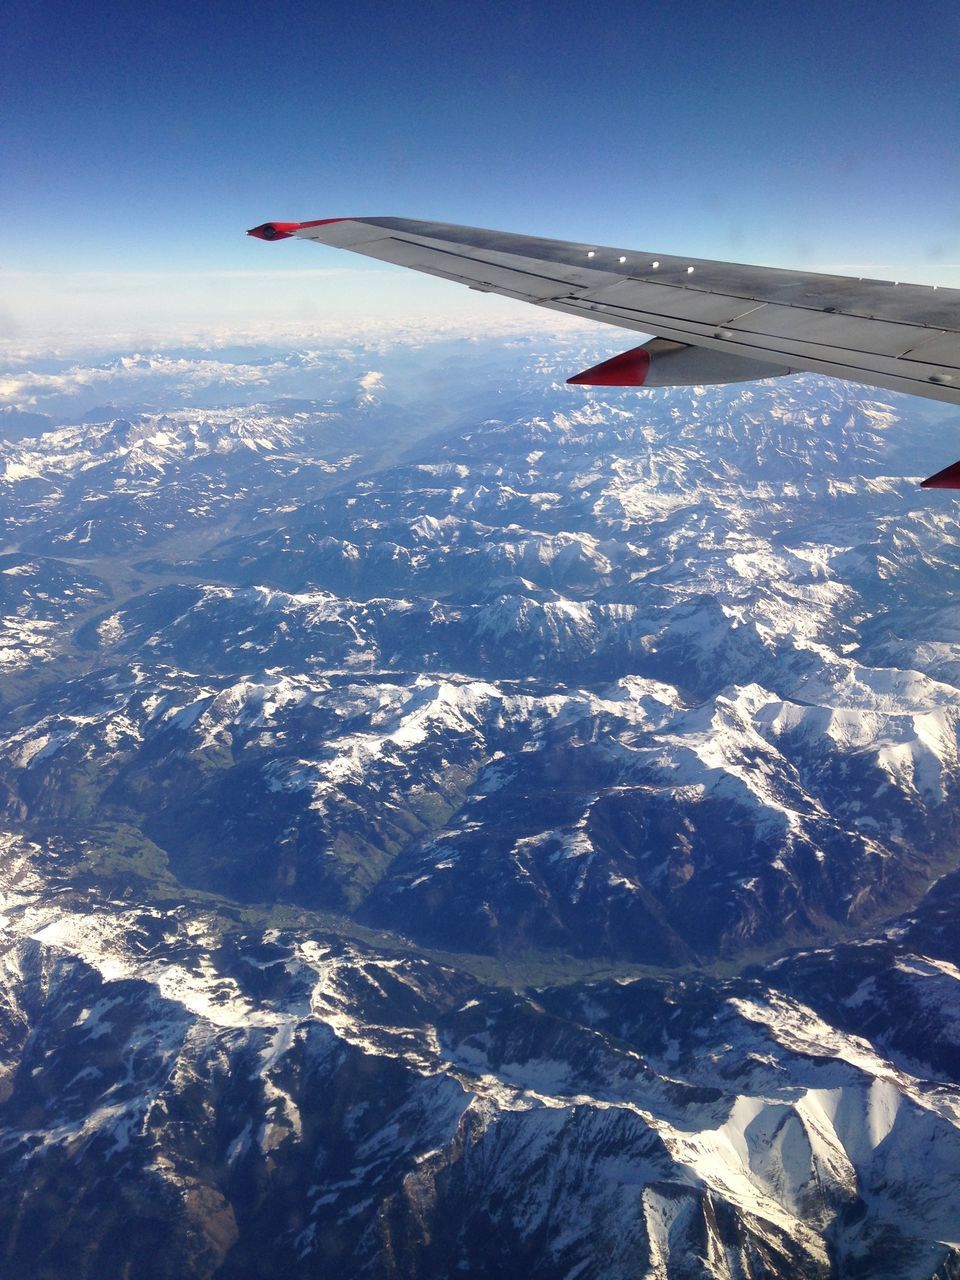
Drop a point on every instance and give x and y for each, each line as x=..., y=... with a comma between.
x=662, y=362
x=948, y=478
x=629, y=369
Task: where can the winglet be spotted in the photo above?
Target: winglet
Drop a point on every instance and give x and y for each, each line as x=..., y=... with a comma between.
x=629, y=369
x=284, y=230
x=274, y=230
x=948, y=478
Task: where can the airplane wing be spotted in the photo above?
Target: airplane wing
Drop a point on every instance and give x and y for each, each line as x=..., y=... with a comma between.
x=713, y=321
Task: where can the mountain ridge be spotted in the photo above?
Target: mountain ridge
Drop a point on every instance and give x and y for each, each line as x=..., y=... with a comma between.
x=533, y=854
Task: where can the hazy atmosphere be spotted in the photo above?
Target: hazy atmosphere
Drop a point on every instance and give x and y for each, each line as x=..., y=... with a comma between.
x=140, y=144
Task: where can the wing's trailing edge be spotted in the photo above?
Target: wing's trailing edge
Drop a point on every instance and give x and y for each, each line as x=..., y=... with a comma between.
x=713, y=321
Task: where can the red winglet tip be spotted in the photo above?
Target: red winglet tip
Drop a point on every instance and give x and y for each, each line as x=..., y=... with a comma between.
x=629, y=369
x=284, y=230
x=275, y=230
x=948, y=478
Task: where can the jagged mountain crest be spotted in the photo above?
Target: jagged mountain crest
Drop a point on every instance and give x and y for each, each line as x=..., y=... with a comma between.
x=523, y=848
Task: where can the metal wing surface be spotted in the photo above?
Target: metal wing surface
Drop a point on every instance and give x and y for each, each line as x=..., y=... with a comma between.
x=905, y=337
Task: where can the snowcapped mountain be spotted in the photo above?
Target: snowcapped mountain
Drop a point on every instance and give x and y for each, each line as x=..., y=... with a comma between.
x=514, y=838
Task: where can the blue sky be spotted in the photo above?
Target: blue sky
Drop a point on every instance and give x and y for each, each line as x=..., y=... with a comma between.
x=139, y=143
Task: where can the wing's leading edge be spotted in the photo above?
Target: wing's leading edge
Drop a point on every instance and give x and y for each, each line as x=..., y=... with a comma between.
x=717, y=321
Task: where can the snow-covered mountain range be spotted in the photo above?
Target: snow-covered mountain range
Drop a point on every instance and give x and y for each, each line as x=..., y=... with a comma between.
x=505, y=831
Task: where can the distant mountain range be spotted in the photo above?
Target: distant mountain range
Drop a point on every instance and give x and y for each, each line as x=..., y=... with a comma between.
x=509, y=833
